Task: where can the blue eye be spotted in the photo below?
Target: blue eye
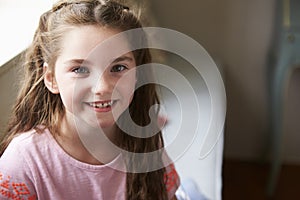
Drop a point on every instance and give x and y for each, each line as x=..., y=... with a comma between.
x=118, y=68
x=81, y=70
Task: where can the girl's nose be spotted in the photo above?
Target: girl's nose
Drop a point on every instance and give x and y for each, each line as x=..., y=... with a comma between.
x=103, y=85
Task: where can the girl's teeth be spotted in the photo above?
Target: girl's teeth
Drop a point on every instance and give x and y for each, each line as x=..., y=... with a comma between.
x=101, y=105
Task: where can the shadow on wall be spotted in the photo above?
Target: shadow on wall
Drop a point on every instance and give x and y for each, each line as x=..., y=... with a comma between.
x=8, y=89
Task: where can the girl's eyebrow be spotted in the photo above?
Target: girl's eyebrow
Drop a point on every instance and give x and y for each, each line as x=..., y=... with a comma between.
x=77, y=62
x=123, y=58
x=81, y=61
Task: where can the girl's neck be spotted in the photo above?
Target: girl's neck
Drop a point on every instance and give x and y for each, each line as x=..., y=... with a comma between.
x=77, y=140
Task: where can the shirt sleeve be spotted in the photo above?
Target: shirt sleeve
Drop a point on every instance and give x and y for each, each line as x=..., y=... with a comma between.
x=15, y=177
x=172, y=180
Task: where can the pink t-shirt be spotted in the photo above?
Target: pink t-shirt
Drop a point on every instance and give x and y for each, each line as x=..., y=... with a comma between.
x=34, y=167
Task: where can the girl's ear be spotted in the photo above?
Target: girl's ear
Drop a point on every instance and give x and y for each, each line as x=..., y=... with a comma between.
x=49, y=79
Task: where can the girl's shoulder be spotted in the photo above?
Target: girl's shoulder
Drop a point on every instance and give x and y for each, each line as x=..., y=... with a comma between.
x=24, y=137
x=15, y=174
x=28, y=139
x=22, y=145
x=172, y=180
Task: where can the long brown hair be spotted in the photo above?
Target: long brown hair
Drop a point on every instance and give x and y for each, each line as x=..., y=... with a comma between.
x=36, y=105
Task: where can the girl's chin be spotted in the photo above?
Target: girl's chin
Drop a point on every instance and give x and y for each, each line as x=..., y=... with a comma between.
x=107, y=125
x=85, y=123
x=102, y=125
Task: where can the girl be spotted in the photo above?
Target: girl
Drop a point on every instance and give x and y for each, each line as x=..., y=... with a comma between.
x=42, y=155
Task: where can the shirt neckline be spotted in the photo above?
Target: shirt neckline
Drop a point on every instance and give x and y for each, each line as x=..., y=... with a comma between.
x=116, y=164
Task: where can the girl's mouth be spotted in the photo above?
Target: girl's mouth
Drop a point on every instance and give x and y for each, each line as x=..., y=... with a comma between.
x=101, y=104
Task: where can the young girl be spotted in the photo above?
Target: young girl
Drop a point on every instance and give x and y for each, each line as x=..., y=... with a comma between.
x=42, y=155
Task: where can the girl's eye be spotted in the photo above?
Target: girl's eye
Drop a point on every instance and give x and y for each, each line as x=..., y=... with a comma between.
x=118, y=68
x=81, y=70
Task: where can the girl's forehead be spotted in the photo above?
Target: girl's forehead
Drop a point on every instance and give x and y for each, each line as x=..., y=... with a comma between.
x=91, y=40
x=94, y=43
x=87, y=37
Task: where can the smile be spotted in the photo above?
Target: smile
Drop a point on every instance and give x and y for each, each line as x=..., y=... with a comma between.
x=102, y=104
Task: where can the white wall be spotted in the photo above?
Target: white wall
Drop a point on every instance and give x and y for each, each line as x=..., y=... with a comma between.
x=18, y=20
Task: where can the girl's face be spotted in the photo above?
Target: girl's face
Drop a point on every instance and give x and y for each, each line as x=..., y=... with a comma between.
x=95, y=84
